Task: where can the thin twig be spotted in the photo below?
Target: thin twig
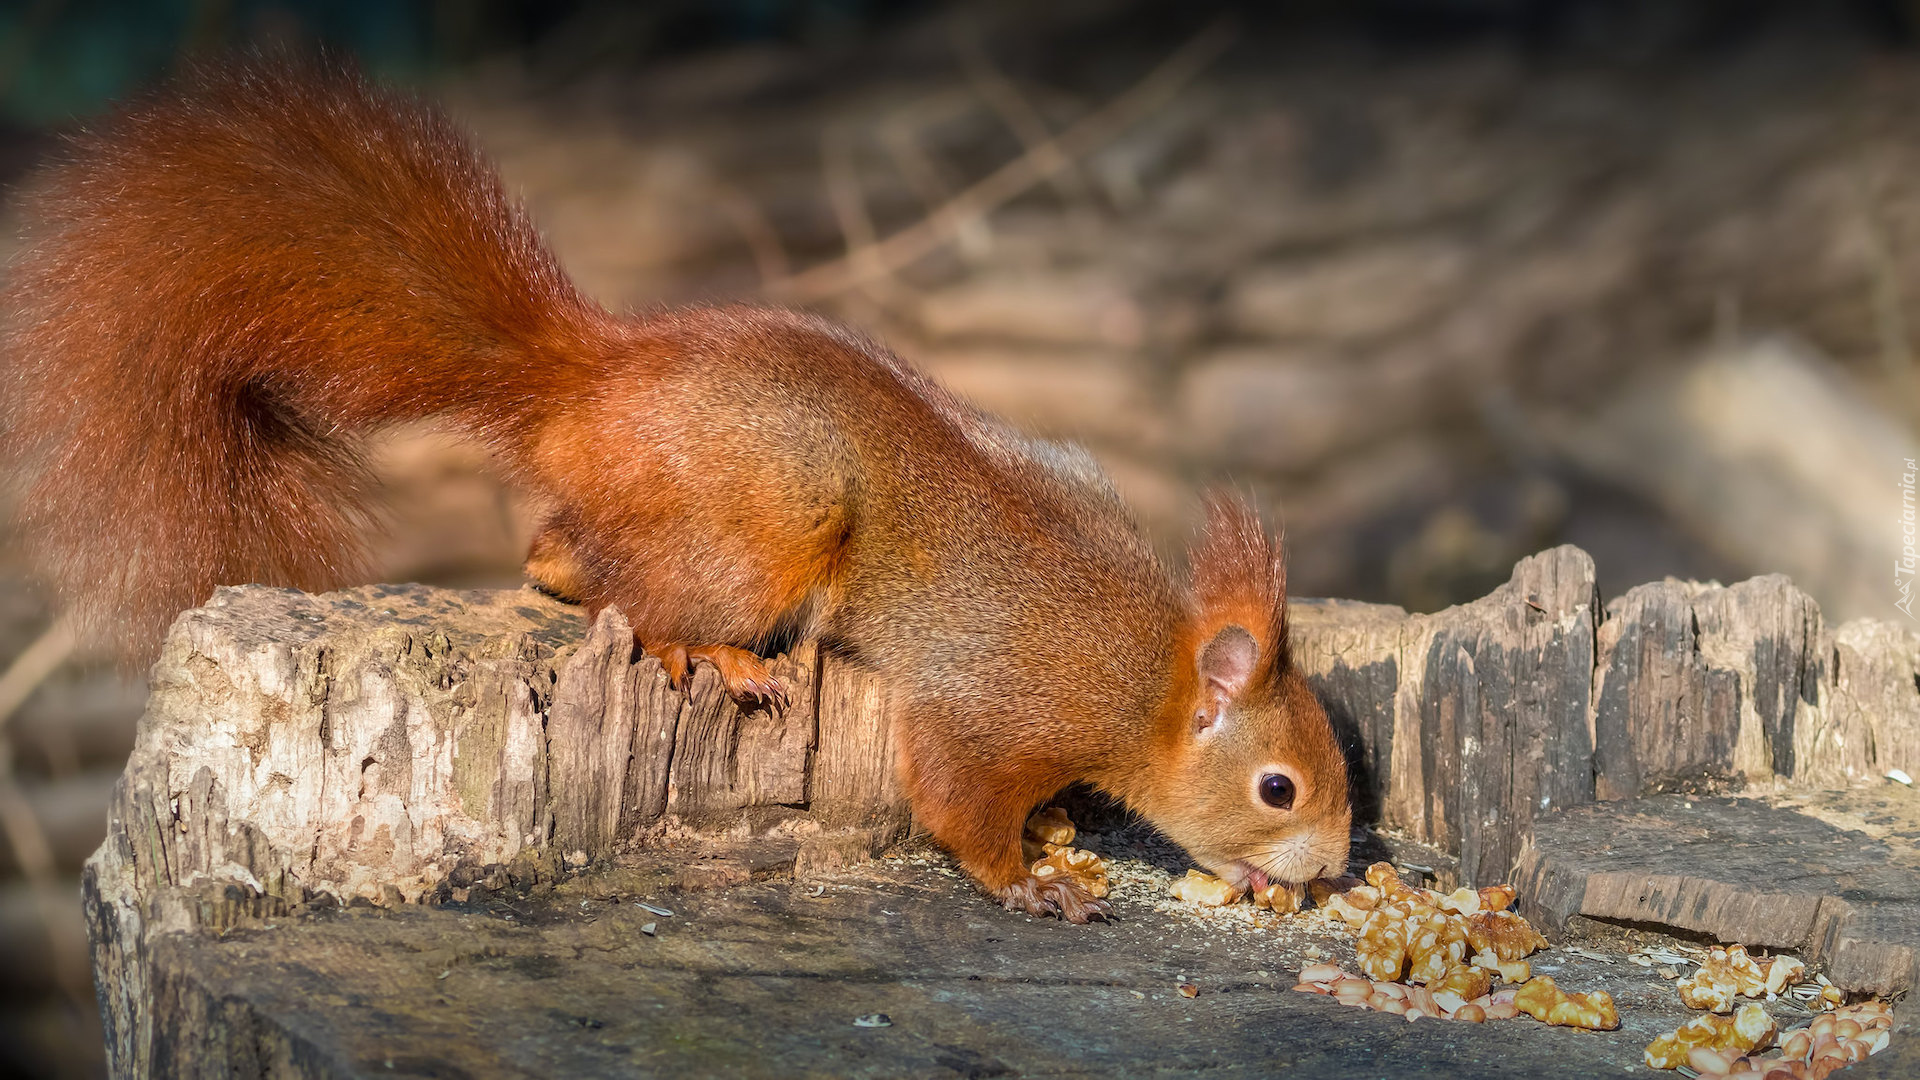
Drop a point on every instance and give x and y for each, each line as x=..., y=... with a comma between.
x=32, y=666
x=1016, y=111
x=769, y=254
x=21, y=826
x=18, y=822
x=34, y=852
x=850, y=205
x=1010, y=180
x=899, y=133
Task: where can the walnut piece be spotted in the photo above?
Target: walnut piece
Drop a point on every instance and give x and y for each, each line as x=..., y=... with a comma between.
x=1280, y=898
x=1351, y=907
x=1203, y=888
x=1381, y=948
x=1048, y=826
x=1400, y=999
x=1701, y=992
x=1830, y=1043
x=1468, y=981
x=1322, y=888
x=1498, y=897
x=1435, y=945
x=1423, y=937
x=1084, y=867
x=1747, y=1030
x=1545, y=1002
x=1729, y=973
x=1403, y=932
x=1504, y=934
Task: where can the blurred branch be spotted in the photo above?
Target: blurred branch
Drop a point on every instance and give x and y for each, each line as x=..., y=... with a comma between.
x=1888, y=297
x=850, y=206
x=34, y=853
x=1014, y=178
x=32, y=666
x=21, y=826
x=763, y=240
x=900, y=132
x=18, y=822
x=1016, y=111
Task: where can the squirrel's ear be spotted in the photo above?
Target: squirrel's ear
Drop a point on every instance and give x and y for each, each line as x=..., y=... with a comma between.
x=1226, y=663
x=1240, y=584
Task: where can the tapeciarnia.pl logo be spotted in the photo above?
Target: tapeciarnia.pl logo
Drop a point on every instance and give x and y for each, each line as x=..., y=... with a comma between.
x=1903, y=567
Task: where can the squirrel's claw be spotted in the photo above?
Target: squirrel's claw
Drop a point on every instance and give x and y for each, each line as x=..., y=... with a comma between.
x=746, y=675
x=1059, y=896
x=679, y=666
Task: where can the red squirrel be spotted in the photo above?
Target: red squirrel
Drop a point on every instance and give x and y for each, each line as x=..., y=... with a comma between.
x=228, y=284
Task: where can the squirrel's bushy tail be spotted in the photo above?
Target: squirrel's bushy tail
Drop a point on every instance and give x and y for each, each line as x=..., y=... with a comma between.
x=224, y=287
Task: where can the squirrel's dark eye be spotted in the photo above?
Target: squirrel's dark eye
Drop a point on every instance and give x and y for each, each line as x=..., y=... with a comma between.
x=1276, y=790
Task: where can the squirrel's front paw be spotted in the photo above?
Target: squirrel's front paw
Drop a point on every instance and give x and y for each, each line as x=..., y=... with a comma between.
x=1057, y=896
x=745, y=674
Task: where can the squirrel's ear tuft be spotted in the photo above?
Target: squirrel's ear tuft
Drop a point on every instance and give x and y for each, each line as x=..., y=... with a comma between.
x=1239, y=585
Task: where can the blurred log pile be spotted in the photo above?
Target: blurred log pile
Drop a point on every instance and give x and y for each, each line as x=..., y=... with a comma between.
x=65, y=730
x=1390, y=291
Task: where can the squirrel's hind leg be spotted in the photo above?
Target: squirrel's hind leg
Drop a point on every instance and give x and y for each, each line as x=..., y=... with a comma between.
x=979, y=820
x=697, y=589
x=554, y=566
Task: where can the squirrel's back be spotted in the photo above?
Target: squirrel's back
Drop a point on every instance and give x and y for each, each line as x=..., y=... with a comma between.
x=206, y=314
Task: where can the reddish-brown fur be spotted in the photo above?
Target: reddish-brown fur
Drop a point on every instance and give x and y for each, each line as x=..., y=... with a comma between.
x=227, y=286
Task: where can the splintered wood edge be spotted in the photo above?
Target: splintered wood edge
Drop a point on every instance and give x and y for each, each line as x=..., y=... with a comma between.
x=1820, y=927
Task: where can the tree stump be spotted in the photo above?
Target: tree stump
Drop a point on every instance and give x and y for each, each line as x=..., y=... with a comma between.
x=1465, y=723
x=1833, y=877
x=395, y=745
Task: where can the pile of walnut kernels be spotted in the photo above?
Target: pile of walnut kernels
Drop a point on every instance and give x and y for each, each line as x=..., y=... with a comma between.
x=1426, y=954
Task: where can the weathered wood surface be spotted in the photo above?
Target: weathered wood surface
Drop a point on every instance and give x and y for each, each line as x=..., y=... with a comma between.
x=765, y=980
x=1831, y=876
x=1465, y=724
x=404, y=744
x=392, y=744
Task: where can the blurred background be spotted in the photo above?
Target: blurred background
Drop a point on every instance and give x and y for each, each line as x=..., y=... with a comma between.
x=1442, y=282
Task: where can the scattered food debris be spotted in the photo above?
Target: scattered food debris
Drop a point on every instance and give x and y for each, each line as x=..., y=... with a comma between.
x=1730, y=972
x=1455, y=944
